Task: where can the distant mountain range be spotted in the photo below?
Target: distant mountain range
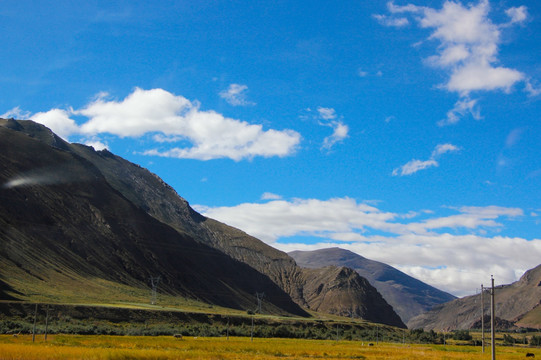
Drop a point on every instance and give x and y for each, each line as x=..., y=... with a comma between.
x=408, y=296
x=79, y=225
x=516, y=305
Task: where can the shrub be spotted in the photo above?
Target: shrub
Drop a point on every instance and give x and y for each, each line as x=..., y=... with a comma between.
x=462, y=335
x=535, y=341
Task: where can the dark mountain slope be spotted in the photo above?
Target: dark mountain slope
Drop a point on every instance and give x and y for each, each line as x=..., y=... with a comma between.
x=517, y=303
x=162, y=202
x=408, y=296
x=149, y=194
x=62, y=217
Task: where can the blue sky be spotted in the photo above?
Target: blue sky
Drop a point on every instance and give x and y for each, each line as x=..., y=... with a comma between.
x=408, y=132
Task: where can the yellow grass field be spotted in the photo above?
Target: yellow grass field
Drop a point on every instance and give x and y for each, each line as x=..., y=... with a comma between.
x=167, y=347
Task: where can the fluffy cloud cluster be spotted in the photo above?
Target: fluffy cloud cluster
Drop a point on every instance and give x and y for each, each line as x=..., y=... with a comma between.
x=468, y=48
x=451, y=252
x=171, y=119
x=412, y=166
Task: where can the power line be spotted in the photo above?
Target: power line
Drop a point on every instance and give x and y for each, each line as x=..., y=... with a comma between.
x=259, y=297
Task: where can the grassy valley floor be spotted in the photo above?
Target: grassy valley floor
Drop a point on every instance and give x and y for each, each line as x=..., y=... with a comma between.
x=168, y=347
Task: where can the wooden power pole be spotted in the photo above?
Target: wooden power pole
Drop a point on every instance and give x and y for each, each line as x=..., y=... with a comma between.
x=492, y=316
x=482, y=319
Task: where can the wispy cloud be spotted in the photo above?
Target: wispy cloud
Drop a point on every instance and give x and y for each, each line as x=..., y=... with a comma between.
x=451, y=251
x=391, y=21
x=171, y=119
x=16, y=113
x=517, y=14
x=304, y=216
x=236, y=95
x=270, y=196
x=468, y=48
x=328, y=117
x=514, y=137
x=327, y=113
x=462, y=107
x=362, y=73
x=413, y=166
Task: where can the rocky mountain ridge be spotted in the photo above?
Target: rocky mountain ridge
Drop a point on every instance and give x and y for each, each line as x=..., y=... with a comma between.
x=408, y=296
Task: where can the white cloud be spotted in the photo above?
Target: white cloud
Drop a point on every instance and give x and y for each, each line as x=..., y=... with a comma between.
x=444, y=148
x=283, y=218
x=469, y=43
x=327, y=113
x=412, y=166
x=482, y=76
x=469, y=218
x=270, y=196
x=461, y=108
x=468, y=48
x=531, y=89
x=415, y=165
x=16, y=113
x=397, y=9
x=454, y=262
x=172, y=118
x=389, y=21
x=517, y=14
x=340, y=130
x=141, y=112
x=97, y=144
x=58, y=121
x=236, y=95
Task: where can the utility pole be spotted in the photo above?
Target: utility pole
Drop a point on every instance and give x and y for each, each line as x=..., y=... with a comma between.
x=259, y=297
x=482, y=320
x=154, y=282
x=492, y=315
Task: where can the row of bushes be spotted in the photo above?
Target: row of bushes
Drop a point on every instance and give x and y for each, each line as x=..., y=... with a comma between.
x=261, y=329
x=242, y=327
